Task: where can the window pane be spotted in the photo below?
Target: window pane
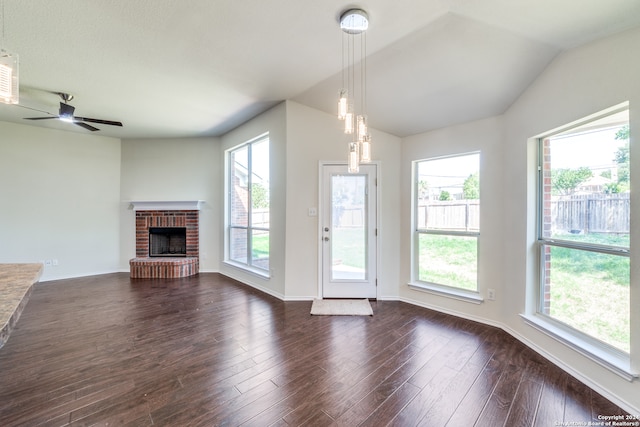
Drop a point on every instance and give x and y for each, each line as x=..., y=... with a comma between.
x=248, y=235
x=239, y=198
x=448, y=193
x=448, y=260
x=260, y=249
x=260, y=184
x=588, y=291
x=238, y=244
x=586, y=183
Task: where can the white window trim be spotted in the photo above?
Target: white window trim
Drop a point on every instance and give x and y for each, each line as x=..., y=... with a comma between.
x=459, y=294
x=599, y=352
x=446, y=291
x=605, y=356
x=260, y=272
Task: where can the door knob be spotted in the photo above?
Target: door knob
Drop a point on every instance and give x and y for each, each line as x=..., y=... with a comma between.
x=326, y=239
x=326, y=229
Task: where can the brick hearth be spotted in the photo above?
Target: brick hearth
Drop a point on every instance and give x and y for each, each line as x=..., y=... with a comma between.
x=142, y=266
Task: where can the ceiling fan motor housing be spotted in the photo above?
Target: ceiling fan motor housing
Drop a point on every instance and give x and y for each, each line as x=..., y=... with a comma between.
x=66, y=111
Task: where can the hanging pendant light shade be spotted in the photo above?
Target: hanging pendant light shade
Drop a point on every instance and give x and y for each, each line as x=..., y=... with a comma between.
x=342, y=105
x=353, y=159
x=365, y=150
x=348, y=121
x=352, y=96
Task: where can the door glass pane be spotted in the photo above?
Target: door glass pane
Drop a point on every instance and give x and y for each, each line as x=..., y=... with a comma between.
x=589, y=291
x=349, y=227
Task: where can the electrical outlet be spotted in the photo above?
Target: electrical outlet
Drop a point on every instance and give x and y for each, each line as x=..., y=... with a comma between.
x=48, y=262
x=491, y=294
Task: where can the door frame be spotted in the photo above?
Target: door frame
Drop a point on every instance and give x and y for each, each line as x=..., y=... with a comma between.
x=319, y=225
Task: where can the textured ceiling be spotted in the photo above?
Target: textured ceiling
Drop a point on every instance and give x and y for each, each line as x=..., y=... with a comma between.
x=169, y=68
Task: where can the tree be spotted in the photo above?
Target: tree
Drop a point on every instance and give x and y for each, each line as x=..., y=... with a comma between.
x=621, y=156
x=471, y=187
x=612, y=188
x=565, y=181
x=423, y=190
x=259, y=196
x=445, y=195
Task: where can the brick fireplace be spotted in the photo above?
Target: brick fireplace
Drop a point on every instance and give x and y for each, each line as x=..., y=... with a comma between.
x=155, y=216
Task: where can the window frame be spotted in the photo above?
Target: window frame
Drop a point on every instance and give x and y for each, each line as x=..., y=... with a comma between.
x=605, y=354
x=249, y=228
x=472, y=296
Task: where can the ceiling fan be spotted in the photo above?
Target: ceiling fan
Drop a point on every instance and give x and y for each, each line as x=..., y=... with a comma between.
x=66, y=115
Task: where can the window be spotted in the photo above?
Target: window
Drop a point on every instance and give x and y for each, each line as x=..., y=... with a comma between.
x=248, y=205
x=583, y=231
x=447, y=222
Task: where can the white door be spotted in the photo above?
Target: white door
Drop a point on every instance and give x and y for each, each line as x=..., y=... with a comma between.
x=349, y=229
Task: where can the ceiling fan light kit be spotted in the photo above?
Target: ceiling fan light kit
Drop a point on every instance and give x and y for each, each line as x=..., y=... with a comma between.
x=9, y=90
x=9, y=93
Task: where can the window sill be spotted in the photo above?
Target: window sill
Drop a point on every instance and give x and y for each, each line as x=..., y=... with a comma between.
x=615, y=361
x=458, y=294
x=252, y=270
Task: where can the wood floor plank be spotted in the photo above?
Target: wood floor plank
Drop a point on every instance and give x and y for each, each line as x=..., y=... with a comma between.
x=208, y=350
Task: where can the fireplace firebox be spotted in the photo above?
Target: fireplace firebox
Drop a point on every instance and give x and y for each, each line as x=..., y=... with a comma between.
x=167, y=241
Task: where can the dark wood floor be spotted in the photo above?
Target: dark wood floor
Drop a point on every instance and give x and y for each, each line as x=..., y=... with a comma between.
x=207, y=350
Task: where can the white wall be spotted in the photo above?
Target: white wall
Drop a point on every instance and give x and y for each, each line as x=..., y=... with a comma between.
x=59, y=198
x=314, y=136
x=486, y=137
x=272, y=121
x=172, y=170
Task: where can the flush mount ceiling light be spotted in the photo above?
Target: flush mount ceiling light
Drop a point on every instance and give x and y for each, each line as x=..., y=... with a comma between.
x=8, y=71
x=352, y=97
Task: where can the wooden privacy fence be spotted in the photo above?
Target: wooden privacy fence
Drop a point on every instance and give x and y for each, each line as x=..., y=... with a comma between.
x=463, y=215
x=591, y=213
x=588, y=213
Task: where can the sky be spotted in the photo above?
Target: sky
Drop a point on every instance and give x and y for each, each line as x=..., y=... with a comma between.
x=595, y=149
x=449, y=173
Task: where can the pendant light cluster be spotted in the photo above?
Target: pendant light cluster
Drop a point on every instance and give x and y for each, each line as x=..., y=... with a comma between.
x=8, y=71
x=352, y=98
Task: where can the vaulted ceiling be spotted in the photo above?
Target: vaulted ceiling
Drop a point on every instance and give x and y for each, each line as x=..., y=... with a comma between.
x=169, y=68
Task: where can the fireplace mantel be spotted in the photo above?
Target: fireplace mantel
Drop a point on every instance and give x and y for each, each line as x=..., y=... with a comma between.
x=183, y=205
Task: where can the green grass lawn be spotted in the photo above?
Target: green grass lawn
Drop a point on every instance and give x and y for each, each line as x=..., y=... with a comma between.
x=448, y=260
x=589, y=290
x=260, y=245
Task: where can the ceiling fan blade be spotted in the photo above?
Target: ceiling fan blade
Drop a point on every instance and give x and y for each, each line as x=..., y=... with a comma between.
x=86, y=126
x=41, y=118
x=102, y=122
